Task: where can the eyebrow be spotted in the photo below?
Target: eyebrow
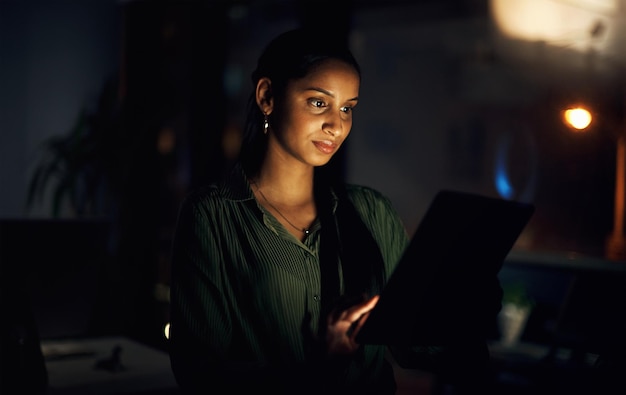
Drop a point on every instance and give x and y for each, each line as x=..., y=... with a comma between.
x=324, y=91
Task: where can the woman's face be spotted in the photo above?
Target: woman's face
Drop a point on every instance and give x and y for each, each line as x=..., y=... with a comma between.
x=315, y=116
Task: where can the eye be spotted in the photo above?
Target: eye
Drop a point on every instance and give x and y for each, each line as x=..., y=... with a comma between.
x=347, y=109
x=317, y=103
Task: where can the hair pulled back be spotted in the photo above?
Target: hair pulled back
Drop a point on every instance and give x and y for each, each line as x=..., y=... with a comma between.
x=290, y=56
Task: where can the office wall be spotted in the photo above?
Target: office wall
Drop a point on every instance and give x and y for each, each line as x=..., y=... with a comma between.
x=442, y=106
x=55, y=57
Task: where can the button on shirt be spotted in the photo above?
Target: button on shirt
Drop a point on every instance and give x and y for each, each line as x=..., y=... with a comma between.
x=246, y=292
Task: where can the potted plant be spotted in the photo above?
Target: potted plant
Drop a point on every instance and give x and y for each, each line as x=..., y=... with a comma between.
x=517, y=305
x=81, y=166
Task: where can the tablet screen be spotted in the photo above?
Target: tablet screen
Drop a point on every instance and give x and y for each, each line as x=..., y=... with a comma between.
x=456, y=251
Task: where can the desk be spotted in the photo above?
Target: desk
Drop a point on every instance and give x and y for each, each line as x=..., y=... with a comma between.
x=574, y=339
x=534, y=369
x=85, y=366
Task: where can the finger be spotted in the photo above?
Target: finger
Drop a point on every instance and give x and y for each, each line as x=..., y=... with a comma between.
x=336, y=316
x=359, y=317
x=359, y=324
x=356, y=325
x=357, y=311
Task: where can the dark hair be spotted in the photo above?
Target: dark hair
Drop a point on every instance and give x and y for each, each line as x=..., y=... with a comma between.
x=289, y=56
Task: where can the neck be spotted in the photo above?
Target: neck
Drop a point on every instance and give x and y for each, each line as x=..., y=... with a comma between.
x=287, y=193
x=286, y=185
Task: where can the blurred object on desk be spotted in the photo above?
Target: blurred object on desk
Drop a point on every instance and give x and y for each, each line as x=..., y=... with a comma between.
x=79, y=367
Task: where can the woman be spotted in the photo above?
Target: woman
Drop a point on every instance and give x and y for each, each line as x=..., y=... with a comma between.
x=275, y=269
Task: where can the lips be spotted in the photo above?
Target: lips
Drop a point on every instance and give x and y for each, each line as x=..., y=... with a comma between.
x=325, y=146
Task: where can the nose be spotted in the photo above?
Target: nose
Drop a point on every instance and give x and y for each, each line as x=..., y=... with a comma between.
x=333, y=125
x=330, y=131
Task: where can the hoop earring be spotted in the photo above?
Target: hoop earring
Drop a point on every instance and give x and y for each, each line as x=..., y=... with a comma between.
x=266, y=123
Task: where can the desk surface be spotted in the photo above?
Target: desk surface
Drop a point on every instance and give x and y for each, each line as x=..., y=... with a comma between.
x=89, y=366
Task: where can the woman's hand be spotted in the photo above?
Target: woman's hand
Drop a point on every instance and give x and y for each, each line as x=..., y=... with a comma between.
x=342, y=327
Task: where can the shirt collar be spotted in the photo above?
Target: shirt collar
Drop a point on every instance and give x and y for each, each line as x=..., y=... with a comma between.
x=236, y=187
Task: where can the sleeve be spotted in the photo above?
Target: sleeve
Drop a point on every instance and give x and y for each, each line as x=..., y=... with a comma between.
x=384, y=223
x=203, y=308
x=199, y=320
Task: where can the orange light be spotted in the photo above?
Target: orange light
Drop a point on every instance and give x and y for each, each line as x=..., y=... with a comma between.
x=578, y=118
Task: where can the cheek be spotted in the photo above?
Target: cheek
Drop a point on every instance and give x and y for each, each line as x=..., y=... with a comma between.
x=284, y=121
x=348, y=126
x=302, y=122
x=291, y=115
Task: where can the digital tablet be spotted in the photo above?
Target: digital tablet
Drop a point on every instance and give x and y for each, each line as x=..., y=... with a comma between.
x=450, y=265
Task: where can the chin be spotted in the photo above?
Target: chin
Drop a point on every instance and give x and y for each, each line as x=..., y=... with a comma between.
x=320, y=163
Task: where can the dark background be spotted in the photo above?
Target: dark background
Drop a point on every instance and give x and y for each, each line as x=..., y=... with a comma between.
x=446, y=102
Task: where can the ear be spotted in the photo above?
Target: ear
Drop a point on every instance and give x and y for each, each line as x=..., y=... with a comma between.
x=264, y=97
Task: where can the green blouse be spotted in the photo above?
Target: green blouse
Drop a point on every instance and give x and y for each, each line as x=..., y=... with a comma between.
x=245, y=294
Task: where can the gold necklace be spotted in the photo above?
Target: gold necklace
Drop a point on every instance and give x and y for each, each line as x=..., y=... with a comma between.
x=306, y=231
